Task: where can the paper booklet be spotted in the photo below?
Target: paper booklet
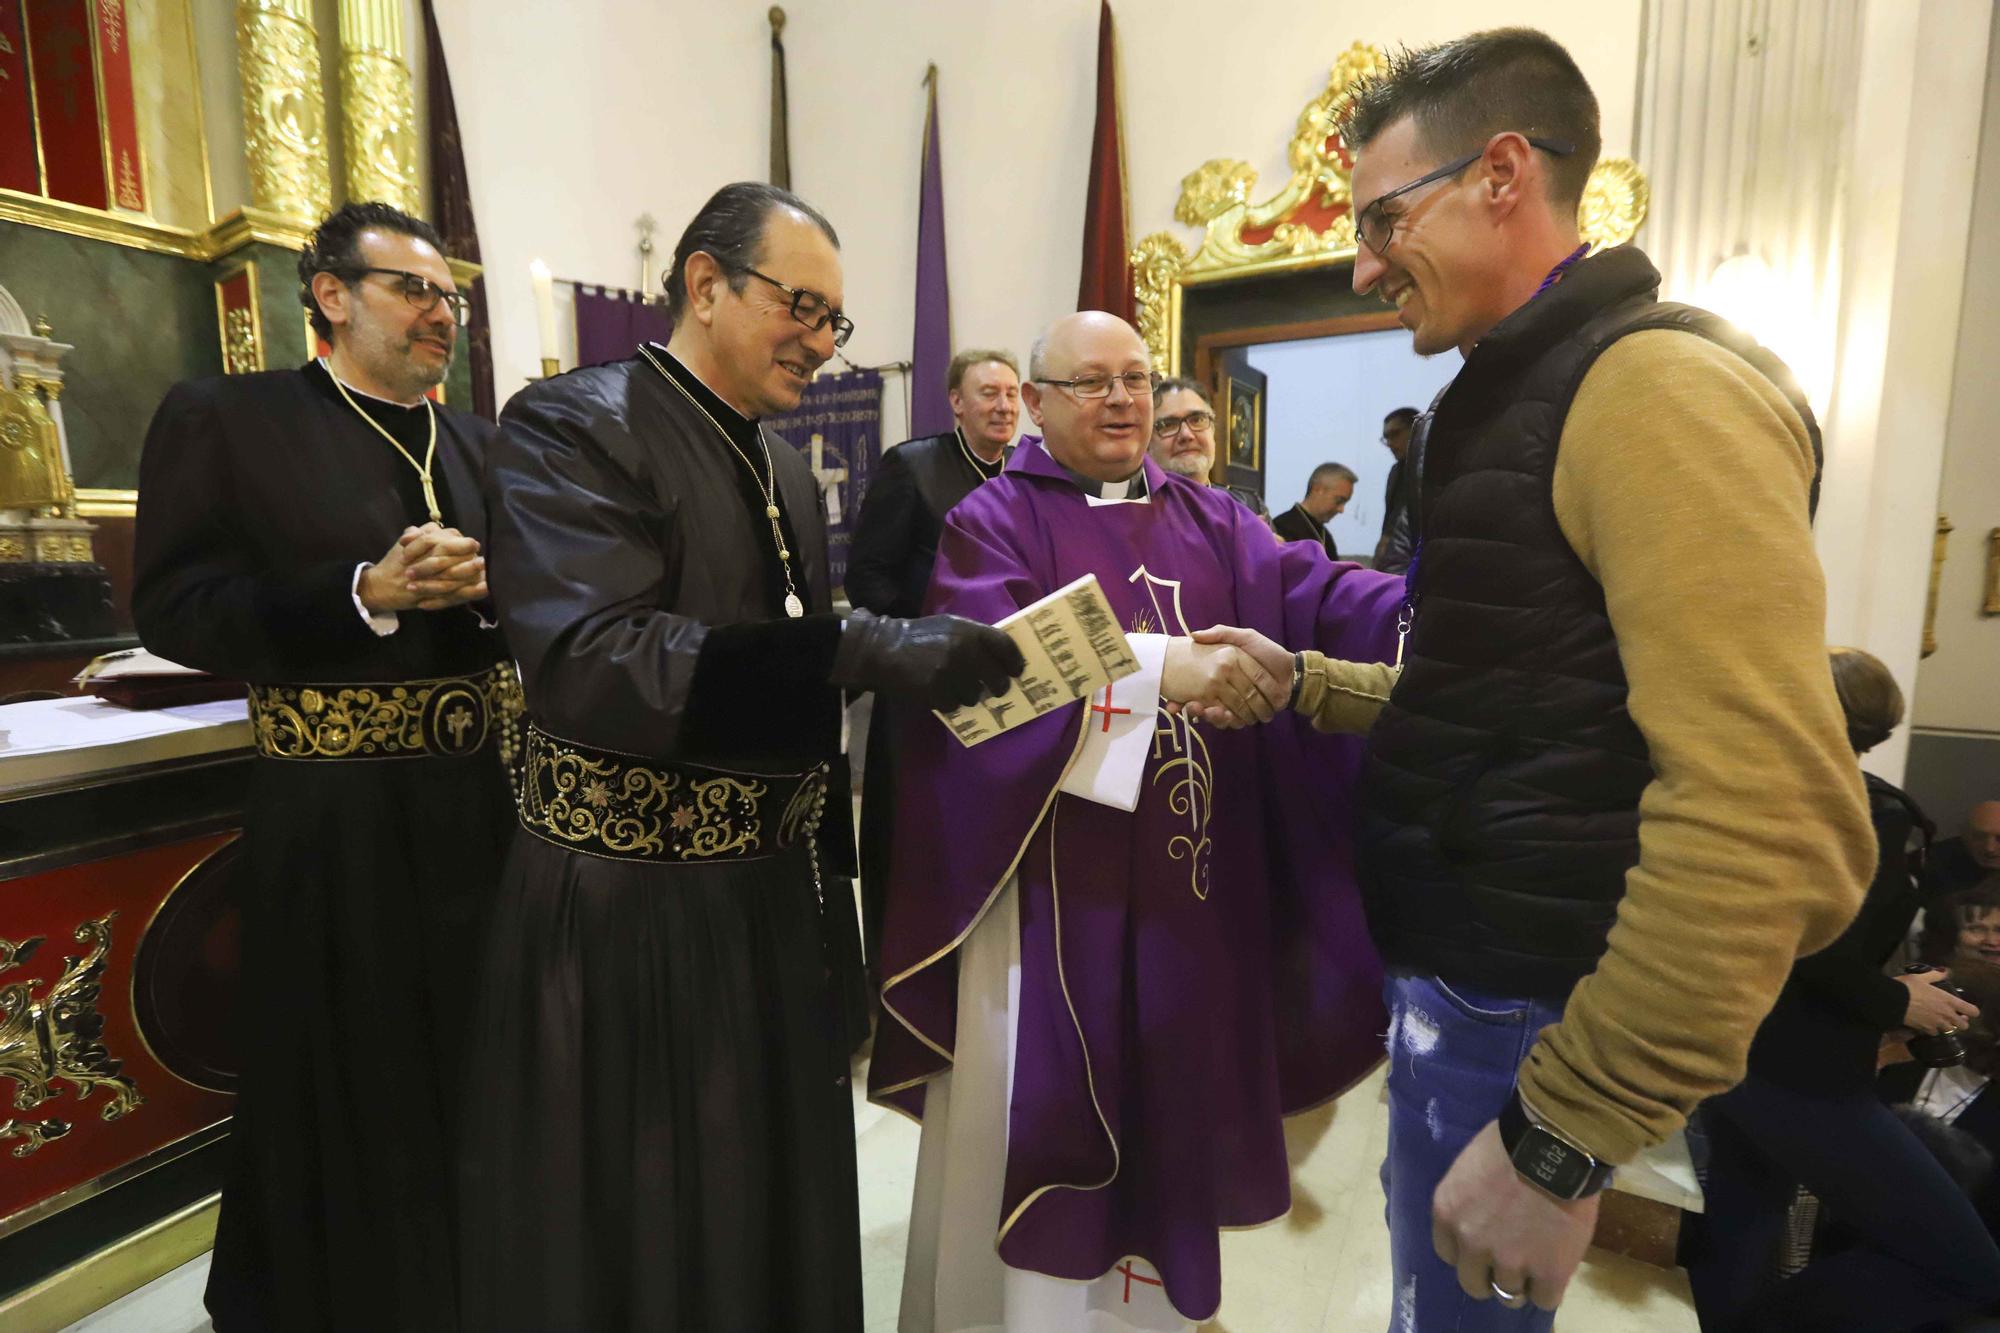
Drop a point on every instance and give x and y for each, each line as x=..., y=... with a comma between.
x=1073, y=645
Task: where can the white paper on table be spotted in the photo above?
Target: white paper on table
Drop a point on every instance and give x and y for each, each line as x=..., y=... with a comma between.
x=1073, y=646
x=130, y=663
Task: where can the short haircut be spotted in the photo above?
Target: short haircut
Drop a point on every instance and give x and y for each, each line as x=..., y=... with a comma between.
x=1869, y=696
x=730, y=227
x=1402, y=416
x=1038, y=357
x=954, y=374
x=1181, y=384
x=1463, y=92
x=1328, y=473
x=335, y=248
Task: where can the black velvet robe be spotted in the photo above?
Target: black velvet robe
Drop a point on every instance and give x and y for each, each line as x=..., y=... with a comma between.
x=916, y=484
x=664, y=1135
x=366, y=883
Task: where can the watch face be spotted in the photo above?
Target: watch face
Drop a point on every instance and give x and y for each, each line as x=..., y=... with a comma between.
x=1552, y=1164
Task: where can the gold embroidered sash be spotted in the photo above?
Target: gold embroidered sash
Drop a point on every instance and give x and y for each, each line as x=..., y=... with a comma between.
x=632, y=809
x=448, y=717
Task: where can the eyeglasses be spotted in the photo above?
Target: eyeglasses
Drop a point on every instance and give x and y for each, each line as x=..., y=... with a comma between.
x=1168, y=427
x=1376, y=228
x=421, y=292
x=1136, y=382
x=811, y=309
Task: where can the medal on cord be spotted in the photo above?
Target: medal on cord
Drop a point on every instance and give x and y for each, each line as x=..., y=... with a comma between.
x=766, y=483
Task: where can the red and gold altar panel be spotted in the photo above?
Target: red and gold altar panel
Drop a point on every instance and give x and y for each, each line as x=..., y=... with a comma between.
x=238, y=320
x=20, y=167
x=121, y=116
x=61, y=55
x=116, y=977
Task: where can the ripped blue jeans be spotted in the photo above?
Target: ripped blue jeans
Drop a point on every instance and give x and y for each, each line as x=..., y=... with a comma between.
x=1453, y=1055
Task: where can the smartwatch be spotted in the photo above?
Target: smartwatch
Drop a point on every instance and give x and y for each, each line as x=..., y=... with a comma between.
x=1545, y=1159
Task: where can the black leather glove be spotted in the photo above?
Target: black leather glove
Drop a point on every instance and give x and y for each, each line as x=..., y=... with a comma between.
x=940, y=661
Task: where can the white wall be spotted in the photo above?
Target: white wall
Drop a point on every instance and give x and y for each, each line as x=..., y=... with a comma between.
x=1325, y=404
x=578, y=117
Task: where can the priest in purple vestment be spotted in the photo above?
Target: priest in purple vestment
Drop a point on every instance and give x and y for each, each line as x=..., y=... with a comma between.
x=1121, y=943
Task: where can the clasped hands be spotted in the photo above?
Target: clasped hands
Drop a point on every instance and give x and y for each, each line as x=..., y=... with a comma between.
x=1226, y=677
x=426, y=569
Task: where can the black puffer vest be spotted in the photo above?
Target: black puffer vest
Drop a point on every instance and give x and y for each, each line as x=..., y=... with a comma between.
x=1501, y=806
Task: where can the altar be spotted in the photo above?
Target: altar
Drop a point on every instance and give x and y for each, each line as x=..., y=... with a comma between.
x=118, y=848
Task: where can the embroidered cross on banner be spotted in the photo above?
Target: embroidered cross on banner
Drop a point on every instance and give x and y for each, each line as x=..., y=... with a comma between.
x=1106, y=708
x=1131, y=1277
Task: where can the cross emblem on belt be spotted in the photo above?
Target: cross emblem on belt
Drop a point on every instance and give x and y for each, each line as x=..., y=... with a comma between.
x=1106, y=708
x=456, y=724
x=1131, y=1277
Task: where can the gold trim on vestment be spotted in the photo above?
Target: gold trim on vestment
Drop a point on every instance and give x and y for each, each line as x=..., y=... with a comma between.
x=448, y=717
x=1055, y=790
x=627, y=808
x=1089, y=1078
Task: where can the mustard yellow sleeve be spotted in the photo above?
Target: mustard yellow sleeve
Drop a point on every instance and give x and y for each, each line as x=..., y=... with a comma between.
x=1681, y=483
x=1343, y=697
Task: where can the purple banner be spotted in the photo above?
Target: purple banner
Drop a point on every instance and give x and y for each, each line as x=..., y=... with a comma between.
x=930, y=343
x=611, y=323
x=838, y=427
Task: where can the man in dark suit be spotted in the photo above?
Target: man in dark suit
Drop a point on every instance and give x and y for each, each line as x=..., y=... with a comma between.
x=895, y=542
x=1328, y=490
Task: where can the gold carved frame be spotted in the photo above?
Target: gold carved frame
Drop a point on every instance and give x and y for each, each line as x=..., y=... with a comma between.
x=1310, y=222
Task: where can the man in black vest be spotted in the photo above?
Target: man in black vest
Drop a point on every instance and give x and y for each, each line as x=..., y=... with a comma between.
x=889, y=565
x=1610, y=797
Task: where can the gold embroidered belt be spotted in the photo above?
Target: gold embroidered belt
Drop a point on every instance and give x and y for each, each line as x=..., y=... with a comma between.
x=406, y=719
x=633, y=809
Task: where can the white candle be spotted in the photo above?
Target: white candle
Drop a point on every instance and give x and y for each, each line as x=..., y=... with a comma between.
x=817, y=446
x=545, y=307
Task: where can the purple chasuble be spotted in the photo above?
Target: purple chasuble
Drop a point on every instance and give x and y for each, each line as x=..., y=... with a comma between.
x=1190, y=971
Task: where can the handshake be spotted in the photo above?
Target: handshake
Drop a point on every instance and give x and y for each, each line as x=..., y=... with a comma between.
x=1226, y=677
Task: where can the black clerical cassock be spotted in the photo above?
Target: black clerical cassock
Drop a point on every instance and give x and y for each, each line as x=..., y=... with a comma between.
x=916, y=484
x=664, y=1133
x=376, y=821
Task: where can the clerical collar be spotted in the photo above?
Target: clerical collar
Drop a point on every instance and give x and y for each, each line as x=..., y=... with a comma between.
x=1318, y=526
x=1132, y=488
x=732, y=421
x=327, y=366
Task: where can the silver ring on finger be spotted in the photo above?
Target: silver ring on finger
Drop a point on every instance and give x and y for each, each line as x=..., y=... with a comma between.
x=1502, y=1292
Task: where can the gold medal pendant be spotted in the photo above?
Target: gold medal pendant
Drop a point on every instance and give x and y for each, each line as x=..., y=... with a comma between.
x=793, y=606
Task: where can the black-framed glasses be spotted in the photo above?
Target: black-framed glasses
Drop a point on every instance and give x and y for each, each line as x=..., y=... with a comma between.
x=811, y=309
x=1376, y=229
x=1136, y=382
x=422, y=293
x=1198, y=420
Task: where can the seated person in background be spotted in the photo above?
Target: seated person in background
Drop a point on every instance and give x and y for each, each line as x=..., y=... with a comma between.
x=1328, y=490
x=1962, y=1096
x=1963, y=926
x=1961, y=862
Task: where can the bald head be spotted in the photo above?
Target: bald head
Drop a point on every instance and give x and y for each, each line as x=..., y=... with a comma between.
x=1982, y=834
x=1103, y=438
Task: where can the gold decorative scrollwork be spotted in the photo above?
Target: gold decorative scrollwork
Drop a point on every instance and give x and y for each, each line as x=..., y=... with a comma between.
x=377, y=107
x=240, y=353
x=408, y=719
x=284, y=119
x=614, y=805
x=1309, y=222
x=59, y=1039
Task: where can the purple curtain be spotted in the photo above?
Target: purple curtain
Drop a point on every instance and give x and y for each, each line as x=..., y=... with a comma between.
x=930, y=352
x=451, y=202
x=610, y=323
x=845, y=412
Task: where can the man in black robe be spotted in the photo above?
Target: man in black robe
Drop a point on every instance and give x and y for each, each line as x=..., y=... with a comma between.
x=289, y=537
x=1392, y=550
x=1328, y=490
x=895, y=544
x=663, y=1132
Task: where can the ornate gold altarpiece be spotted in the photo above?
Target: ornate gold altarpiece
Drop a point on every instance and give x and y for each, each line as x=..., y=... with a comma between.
x=1308, y=224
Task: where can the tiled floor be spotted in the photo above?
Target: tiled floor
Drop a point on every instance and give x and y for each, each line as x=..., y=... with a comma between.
x=1324, y=1268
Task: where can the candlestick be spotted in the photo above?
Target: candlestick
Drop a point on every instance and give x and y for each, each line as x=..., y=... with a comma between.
x=545, y=309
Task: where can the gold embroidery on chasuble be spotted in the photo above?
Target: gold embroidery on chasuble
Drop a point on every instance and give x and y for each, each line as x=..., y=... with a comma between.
x=1190, y=774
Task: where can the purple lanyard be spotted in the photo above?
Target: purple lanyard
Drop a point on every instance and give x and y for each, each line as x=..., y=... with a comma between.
x=1407, y=616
